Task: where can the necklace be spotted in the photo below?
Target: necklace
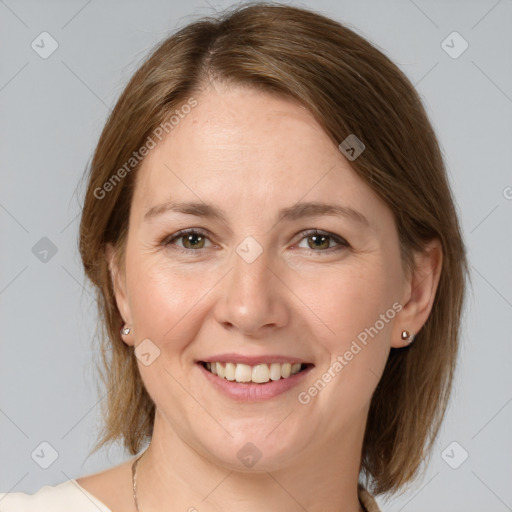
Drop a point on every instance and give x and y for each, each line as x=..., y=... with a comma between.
x=134, y=479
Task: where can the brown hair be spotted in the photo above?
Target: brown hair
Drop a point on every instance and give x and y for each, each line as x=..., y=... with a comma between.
x=351, y=88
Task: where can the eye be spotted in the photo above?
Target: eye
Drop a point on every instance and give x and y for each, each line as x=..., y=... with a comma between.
x=321, y=241
x=193, y=240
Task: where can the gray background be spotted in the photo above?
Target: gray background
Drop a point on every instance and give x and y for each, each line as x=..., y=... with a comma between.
x=52, y=111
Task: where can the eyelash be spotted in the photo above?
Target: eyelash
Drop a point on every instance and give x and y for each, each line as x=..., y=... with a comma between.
x=342, y=243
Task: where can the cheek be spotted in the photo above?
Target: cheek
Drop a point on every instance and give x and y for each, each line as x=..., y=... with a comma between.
x=163, y=301
x=356, y=312
x=165, y=309
x=345, y=303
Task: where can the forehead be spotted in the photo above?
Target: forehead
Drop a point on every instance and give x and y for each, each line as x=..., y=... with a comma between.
x=243, y=147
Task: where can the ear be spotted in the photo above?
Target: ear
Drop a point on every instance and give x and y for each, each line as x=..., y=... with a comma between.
x=419, y=293
x=119, y=285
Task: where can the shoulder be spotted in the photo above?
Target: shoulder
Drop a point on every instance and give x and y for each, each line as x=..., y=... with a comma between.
x=52, y=498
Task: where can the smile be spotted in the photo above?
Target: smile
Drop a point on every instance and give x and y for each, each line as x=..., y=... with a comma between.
x=259, y=374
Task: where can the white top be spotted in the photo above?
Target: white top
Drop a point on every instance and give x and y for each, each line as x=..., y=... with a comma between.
x=59, y=498
x=65, y=497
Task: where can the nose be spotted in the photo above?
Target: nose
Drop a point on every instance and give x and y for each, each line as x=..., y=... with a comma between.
x=253, y=298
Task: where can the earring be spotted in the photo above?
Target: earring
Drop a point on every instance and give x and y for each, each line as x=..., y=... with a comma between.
x=406, y=336
x=125, y=330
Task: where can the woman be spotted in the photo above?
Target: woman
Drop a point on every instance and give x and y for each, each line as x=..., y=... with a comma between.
x=280, y=274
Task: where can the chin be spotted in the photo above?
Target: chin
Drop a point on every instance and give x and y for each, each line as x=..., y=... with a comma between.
x=257, y=451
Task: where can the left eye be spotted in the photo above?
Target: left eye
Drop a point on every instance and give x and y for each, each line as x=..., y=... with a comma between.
x=319, y=239
x=194, y=239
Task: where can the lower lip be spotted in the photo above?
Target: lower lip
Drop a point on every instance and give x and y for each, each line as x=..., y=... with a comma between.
x=252, y=392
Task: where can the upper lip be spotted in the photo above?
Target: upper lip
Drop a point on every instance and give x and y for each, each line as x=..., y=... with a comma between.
x=252, y=360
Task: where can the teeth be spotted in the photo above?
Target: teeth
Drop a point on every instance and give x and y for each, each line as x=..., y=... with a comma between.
x=230, y=371
x=275, y=371
x=260, y=373
x=295, y=368
x=243, y=373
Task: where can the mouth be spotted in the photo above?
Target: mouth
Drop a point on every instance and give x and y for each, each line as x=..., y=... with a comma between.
x=262, y=373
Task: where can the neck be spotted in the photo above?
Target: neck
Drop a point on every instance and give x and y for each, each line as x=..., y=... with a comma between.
x=175, y=476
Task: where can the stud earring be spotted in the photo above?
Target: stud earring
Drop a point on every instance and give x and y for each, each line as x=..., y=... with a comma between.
x=406, y=336
x=125, y=330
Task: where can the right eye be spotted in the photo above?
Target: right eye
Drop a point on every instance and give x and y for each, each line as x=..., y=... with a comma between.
x=194, y=238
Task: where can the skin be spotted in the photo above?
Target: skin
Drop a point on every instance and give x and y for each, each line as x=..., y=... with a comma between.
x=251, y=154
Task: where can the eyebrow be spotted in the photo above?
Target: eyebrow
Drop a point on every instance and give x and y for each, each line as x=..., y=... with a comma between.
x=295, y=212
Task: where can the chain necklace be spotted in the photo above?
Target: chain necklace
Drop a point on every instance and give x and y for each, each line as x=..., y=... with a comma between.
x=134, y=479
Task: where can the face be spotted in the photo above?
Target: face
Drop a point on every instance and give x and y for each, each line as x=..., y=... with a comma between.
x=268, y=280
